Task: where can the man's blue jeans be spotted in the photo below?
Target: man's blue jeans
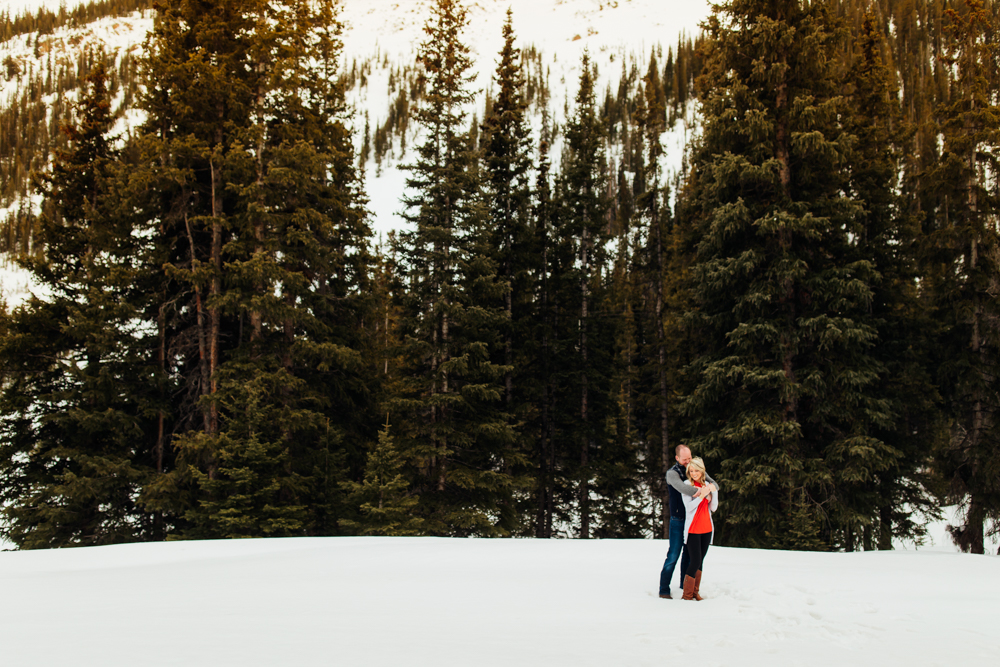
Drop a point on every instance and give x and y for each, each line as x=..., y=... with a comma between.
x=673, y=554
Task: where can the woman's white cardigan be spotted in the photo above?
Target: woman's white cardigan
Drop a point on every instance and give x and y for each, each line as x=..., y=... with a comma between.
x=691, y=505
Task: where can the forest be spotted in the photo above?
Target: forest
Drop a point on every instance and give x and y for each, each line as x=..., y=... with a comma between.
x=222, y=349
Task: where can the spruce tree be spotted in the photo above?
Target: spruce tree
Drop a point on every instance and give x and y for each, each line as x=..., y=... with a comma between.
x=199, y=89
x=888, y=235
x=620, y=470
x=545, y=345
x=275, y=267
x=583, y=191
x=385, y=504
x=785, y=404
x=964, y=249
x=651, y=204
x=454, y=424
x=78, y=395
x=506, y=163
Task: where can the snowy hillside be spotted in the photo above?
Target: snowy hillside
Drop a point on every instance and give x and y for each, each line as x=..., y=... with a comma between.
x=426, y=601
x=615, y=32
x=384, y=35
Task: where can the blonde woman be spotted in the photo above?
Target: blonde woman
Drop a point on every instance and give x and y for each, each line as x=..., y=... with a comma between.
x=698, y=526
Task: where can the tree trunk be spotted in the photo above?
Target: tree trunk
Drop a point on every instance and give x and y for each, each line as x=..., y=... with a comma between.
x=203, y=363
x=584, y=496
x=885, y=527
x=661, y=349
x=216, y=290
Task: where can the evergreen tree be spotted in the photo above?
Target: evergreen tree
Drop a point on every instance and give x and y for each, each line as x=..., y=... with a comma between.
x=786, y=398
x=455, y=426
x=284, y=377
x=77, y=399
x=386, y=507
x=964, y=250
x=583, y=190
x=888, y=236
x=545, y=345
x=652, y=207
x=620, y=470
x=506, y=163
x=199, y=93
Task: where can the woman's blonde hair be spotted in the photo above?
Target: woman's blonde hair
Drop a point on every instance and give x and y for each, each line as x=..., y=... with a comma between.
x=697, y=464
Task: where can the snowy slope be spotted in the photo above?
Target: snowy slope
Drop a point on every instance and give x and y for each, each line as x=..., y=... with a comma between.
x=427, y=601
x=563, y=28
x=613, y=31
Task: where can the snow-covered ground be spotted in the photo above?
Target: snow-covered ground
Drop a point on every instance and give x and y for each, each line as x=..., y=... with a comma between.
x=431, y=601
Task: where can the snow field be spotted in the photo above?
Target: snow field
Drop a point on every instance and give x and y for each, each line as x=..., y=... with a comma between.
x=437, y=601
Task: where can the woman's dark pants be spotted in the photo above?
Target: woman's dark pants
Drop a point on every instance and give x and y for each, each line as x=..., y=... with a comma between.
x=695, y=549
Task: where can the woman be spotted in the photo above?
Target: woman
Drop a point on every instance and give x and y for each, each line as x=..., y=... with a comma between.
x=698, y=527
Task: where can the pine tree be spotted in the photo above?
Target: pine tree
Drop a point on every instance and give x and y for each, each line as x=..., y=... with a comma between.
x=786, y=386
x=199, y=89
x=584, y=195
x=454, y=425
x=888, y=236
x=506, y=163
x=620, y=470
x=964, y=251
x=77, y=394
x=386, y=506
x=284, y=381
x=651, y=204
x=544, y=344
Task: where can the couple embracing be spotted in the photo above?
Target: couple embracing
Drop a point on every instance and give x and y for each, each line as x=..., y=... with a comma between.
x=693, y=497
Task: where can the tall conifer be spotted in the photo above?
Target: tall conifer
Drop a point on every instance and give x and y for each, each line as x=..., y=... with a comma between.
x=584, y=195
x=887, y=234
x=964, y=254
x=78, y=396
x=506, y=163
x=264, y=229
x=455, y=425
x=785, y=402
x=651, y=204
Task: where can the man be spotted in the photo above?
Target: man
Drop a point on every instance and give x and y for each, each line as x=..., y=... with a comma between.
x=676, y=478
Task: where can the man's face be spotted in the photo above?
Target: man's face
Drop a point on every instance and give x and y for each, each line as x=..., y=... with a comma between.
x=683, y=456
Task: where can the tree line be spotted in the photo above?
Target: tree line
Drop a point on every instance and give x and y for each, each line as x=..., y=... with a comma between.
x=222, y=351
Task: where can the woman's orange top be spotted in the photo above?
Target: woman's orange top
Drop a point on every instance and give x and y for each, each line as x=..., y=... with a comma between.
x=702, y=521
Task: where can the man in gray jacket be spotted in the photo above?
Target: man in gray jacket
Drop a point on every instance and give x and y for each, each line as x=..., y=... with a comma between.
x=676, y=485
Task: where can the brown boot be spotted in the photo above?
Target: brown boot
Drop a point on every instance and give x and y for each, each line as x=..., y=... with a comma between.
x=688, y=588
x=697, y=586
